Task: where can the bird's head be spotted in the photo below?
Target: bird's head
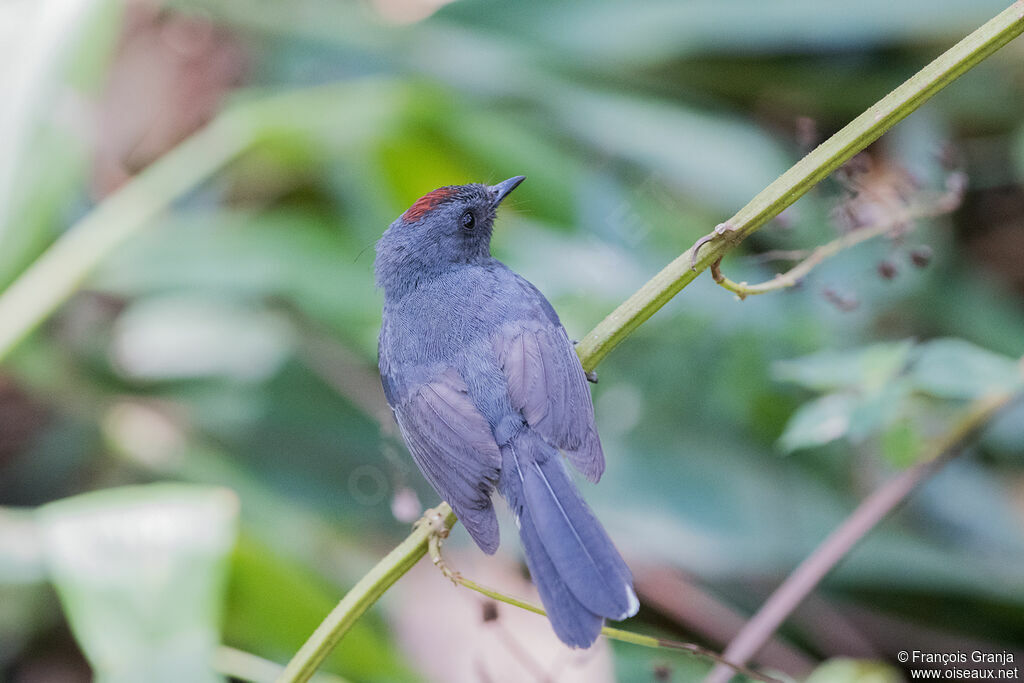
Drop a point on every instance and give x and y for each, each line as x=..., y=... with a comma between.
x=451, y=225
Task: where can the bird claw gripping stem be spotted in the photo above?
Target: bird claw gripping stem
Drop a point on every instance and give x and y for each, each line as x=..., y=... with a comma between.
x=720, y=229
x=433, y=521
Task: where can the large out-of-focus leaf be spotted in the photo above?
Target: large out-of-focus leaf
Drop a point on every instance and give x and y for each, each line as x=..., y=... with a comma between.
x=973, y=508
x=162, y=338
x=38, y=45
x=614, y=34
x=141, y=575
x=304, y=260
x=710, y=512
x=819, y=422
x=697, y=152
x=867, y=368
x=881, y=385
x=46, y=51
x=954, y=368
x=879, y=408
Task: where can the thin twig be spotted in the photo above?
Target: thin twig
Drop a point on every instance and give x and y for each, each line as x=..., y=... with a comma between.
x=434, y=548
x=781, y=255
x=943, y=204
x=876, y=507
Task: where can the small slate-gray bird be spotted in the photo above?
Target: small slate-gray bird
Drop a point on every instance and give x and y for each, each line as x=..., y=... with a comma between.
x=487, y=389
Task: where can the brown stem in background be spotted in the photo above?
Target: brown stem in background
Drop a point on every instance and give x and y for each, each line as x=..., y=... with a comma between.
x=876, y=507
x=680, y=598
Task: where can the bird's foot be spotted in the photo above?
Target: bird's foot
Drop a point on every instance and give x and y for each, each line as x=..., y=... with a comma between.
x=433, y=520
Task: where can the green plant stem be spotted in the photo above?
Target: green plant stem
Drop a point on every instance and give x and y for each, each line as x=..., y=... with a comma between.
x=872, y=510
x=63, y=268
x=366, y=592
x=306, y=113
x=792, y=184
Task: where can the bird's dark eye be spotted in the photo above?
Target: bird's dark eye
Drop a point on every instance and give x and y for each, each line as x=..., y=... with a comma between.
x=468, y=220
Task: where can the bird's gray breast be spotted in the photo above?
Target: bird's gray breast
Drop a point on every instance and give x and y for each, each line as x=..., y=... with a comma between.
x=442, y=318
x=450, y=322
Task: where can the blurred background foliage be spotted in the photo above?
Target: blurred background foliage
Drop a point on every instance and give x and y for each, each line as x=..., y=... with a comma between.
x=210, y=400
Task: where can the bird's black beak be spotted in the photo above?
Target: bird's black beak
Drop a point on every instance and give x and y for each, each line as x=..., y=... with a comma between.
x=501, y=190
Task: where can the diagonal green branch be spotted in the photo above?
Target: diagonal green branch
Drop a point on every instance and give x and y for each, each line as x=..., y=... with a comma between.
x=806, y=173
x=366, y=592
x=368, y=105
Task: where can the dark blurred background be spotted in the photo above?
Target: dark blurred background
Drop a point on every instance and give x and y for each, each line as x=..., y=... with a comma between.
x=231, y=343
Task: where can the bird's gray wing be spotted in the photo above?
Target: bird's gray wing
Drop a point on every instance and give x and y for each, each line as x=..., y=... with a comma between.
x=455, y=449
x=547, y=385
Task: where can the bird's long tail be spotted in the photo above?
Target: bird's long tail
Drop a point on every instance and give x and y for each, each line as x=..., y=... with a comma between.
x=580, y=575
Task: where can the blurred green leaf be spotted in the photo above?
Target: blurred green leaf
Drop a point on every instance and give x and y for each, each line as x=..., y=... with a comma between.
x=1005, y=436
x=819, y=422
x=901, y=444
x=954, y=368
x=867, y=368
x=304, y=259
x=613, y=35
x=182, y=337
x=877, y=386
x=141, y=574
x=696, y=152
x=44, y=49
x=879, y=408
